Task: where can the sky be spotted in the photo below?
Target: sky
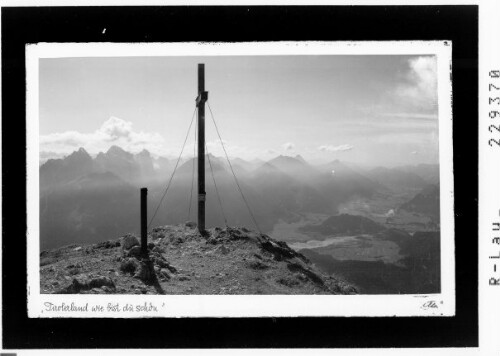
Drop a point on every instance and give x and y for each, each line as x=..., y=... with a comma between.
x=371, y=110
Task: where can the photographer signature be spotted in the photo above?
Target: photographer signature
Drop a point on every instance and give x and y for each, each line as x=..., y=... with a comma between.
x=431, y=304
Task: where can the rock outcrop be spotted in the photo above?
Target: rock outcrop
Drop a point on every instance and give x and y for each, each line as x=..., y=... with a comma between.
x=181, y=261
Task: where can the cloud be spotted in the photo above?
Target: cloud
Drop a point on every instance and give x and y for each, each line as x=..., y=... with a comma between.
x=420, y=87
x=289, y=146
x=115, y=128
x=113, y=131
x=331, y=148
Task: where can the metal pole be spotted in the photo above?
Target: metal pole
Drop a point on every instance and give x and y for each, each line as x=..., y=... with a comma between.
x=144, y=221
x=200, y=102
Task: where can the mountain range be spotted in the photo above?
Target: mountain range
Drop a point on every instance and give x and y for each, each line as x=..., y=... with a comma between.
x=86, y=200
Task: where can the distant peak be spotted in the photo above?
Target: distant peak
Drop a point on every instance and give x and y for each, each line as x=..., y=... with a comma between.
x=281, y=157
x=115, y=149
x=144, y=152
x=287, y=159
x=80, y=153
x=300, y=158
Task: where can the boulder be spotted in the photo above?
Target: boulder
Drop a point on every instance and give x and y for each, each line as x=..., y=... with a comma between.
x=129, y=265
x=101, y=281
x=128, y=241
x=191, y=224
x=85, y=284
x=134, y=252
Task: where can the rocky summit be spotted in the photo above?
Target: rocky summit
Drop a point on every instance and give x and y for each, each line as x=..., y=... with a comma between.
x=181, y=261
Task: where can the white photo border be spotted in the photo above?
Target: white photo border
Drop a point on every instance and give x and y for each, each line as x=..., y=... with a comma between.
x=245, y=305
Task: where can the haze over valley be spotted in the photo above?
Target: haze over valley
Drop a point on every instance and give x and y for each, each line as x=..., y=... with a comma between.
x=377, y=227
x=337, y=157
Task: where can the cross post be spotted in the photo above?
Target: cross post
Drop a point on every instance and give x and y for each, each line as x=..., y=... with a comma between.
x=200, y=103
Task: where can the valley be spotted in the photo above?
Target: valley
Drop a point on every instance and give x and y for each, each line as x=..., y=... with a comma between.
x=379, y=262
x=376, y=227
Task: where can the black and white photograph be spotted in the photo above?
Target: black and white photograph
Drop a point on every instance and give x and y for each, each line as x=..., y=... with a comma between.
x=245, y=174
